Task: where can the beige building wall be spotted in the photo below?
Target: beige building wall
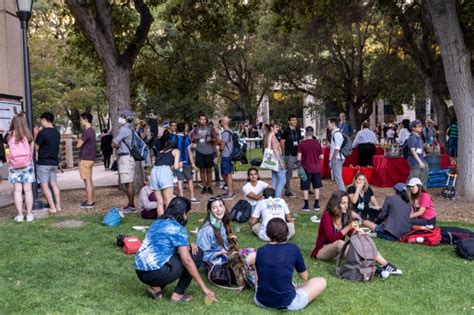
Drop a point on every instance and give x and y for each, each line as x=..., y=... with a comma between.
x=11, y=60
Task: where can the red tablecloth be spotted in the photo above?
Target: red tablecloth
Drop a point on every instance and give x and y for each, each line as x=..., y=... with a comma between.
x=350, y=160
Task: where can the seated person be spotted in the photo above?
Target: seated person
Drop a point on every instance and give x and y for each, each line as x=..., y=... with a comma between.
x=166, y=255
x=423, y=208
x=267, y=209
x=363, y=199
x=336, y=223
x=253, y=190
x=275, y=263
x=393, y=221
x=147, y=202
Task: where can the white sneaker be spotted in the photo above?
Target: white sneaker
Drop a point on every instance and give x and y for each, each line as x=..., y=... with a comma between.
x=19, y=218
x=30, y=218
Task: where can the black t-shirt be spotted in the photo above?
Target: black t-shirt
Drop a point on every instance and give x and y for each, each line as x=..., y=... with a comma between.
x=292, y=137
x=362, y=204
x=48, y=140
x=106, y=143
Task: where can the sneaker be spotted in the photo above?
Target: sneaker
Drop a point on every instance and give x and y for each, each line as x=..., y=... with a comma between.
x=382, y=273
x=86, y=205
x=129, y=209
x=210, y=191
x=305, y=208
x=204, y=190
x=30, y=218
x=19, y=218
x=317, y=207
x=289, y=194
x=195, y=201
x=222, y=186
x=228, y=196
x=392, y=269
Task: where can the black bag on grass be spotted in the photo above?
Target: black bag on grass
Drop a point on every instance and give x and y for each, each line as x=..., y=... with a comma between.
x=452, y=235
x=465, y=248
x=241, y=212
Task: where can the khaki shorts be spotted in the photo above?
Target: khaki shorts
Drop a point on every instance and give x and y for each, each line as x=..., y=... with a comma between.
x=126, y=168
x=85, y=169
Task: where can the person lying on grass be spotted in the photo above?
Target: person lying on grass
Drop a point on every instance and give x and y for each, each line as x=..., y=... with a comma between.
x=216, y=232
x=275, y=263
x=424, y=211
x=337, y=222
x=393, y=221
x=166, y=255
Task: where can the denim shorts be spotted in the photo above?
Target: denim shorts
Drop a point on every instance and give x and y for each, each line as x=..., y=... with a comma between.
x=161, y=177
x=299, y=302
x=46, y=173
x=226, y=165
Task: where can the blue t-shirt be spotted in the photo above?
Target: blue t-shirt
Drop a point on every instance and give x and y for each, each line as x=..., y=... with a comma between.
x=275, y=264
x=183, y=143
x=415, y=142
x=160, y=244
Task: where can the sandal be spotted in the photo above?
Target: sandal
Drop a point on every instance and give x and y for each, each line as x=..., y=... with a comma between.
x=184, y=299
x=153, y=294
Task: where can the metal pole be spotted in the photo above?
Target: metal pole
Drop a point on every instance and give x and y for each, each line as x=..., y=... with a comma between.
x=24, y=17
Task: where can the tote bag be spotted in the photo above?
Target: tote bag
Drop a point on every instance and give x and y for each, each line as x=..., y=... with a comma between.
x=270, y=160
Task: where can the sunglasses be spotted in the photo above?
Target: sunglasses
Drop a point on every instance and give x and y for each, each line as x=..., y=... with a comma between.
x=214, y=198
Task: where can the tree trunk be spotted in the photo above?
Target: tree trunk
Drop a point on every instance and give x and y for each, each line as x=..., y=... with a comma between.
x=352, y=113
x=440, y=107
x=457, y=67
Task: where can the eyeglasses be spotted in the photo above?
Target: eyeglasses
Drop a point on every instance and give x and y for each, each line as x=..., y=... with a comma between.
x=214, y=198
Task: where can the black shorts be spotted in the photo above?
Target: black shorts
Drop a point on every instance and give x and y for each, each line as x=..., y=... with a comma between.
x=313, y=179
x=204, y=161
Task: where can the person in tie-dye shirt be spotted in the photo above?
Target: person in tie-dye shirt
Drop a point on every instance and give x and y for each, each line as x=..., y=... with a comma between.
x=166, y=255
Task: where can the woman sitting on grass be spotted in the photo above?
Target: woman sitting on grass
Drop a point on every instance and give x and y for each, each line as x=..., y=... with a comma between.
x=362, y=198
x=166, y=255
x=253, y=190
x=393, y=221
x=336, y=223
x=275, y=263
x=424, y=211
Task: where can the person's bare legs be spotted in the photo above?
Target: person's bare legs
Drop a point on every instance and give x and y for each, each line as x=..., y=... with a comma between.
x=314, y=287
x=180, y=188
x=28, y=198
x=49, y=197
x=209, y=177
x=191, y=189
x=130, y=194
x=305, y=195
x=330, y=251
x=160, y=204
x=230, y=183
x=89, y=190
x=381, y=260
x=57, y=195
x=203, y=174
x=167, y=196
x=18, y=197
x=316, y=193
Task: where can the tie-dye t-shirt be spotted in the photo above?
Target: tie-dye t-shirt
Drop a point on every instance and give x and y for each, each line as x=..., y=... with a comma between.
x=160, y=244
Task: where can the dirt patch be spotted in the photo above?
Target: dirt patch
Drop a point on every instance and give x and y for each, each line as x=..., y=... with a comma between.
x=68, y=224
x=106, y=198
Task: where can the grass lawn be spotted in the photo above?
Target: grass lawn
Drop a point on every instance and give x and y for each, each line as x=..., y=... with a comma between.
x=81, y=270
x=251, y=155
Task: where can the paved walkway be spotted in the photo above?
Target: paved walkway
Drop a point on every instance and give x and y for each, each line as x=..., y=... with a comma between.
x=70, y=179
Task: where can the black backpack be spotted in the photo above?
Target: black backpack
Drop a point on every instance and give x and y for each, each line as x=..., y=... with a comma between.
x=405, y=150
x=241, y=212
x=452, y=235
x=237, y=151
x=465, y=248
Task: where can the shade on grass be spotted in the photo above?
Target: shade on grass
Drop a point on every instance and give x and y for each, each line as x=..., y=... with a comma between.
x=81, y=270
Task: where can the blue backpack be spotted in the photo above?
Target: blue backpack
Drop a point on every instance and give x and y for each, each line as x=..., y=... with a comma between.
x=112, y=218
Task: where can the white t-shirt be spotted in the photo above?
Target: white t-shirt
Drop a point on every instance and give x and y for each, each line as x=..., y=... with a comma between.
x=336, y=143
x=257, y=189
x=268, y=209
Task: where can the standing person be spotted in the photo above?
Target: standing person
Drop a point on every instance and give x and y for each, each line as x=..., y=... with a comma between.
x=390, y=134
x=429, y=132
x=344, y=125
x=310, y=155
x=365, y=141
x=336, y=158
x=452, y=133
x=424, y=211
x=205, y=137
x=183, y=143
x=87, y=154
x=20, y=172
x=253, y=190
x=290, y=139
x=106, y=147
x=275, y=263
x=217, y=155
x=126, y=163
x=404, y=132
x=166, y=255
x=48, y=141
x=3, y=157
x=416, y=157
x=227, y=147
x=271, y=141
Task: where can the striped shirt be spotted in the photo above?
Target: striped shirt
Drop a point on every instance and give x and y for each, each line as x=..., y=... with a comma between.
x=453, y=131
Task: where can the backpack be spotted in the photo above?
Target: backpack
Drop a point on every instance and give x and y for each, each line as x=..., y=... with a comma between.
x=241, y=212
x=237, y=152
x=20, y=153
x=346, y=147
x=430, y=237
x=465, y=248
x=358, y=263
x=453, y=235
x=448, y=193
x=138, y=148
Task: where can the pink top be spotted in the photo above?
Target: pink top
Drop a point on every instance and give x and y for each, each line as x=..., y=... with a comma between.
x=425, y=201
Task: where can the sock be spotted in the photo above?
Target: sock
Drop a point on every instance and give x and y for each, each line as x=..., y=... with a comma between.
x=306, y=205
x=316, y=203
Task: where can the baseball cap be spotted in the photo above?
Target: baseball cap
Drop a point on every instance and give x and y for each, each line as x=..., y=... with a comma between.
x=127, y=114
x=414, y=181
x=400, y=187
x=415, y=123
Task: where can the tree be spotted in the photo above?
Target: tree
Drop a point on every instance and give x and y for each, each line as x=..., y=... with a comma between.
x=457, y=68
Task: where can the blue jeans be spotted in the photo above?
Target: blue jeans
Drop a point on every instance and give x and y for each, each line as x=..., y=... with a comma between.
x=452, y=147
x=278, y=182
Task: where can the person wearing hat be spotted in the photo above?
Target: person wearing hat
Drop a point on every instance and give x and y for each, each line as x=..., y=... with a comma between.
x=393, y=222
x=126, y=163
x=424, y=211
x=416, y=157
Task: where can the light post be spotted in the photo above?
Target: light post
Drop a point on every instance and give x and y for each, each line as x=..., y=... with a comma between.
x=24, y=13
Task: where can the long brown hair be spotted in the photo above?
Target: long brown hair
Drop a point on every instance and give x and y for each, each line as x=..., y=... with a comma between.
x=413, y=196
x=268, y=130
x=334, y=207
x=356, y=177
x=225, y=221
x=19, y=128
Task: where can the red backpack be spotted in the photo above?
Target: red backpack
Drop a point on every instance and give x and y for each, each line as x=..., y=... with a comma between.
x=131, y=245
x=430, y=237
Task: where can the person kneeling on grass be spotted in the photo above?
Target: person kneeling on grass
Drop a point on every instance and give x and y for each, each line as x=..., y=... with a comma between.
x=336, y=223
x=394, y=219
x=267, y=209
x=166, y=255
x=424, y=211
x=275, y=263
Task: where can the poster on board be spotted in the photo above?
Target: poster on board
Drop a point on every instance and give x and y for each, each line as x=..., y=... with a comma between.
x=9, y=106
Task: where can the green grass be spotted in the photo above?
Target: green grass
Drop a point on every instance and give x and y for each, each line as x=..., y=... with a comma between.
x=81, y=270
x=251, y=155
